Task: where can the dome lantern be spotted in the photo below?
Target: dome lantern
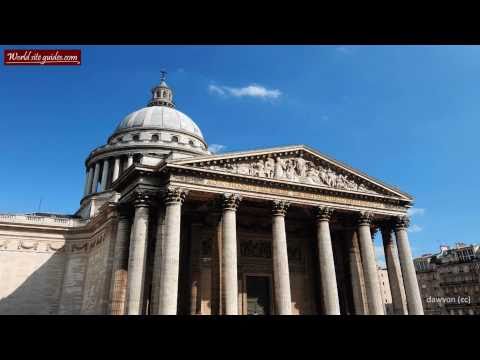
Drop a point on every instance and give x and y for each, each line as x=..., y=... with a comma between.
x=162, y=95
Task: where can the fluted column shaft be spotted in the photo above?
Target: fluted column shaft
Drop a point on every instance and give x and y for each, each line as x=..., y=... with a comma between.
x=138, y=256
x=170, y=252
x=412, y=291
x=395, y=278
x=88, y=185
x=356, y=272
x=372, y=285
x=105, y=169
x=229, y=253
x=116, y=169
x=96, y=174
x=157, y=259
x=281, y=273
x=328, y=277
x=118, y=284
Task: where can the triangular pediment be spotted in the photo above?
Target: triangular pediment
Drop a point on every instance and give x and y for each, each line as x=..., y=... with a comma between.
x=295, y=164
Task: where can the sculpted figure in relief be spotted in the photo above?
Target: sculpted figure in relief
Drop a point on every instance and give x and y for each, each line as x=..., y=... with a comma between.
x=279, y=168
x=269, y=167
x=294, y=169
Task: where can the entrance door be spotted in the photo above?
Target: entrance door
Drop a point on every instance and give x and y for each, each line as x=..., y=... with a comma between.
x=258, y=295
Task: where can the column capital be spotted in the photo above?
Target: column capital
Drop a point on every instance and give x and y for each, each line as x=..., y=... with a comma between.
x=280, y=207
x=365, y=218
x=142, y=198
x=174, y=194
x=231, y=201
x=323, y=213
x=402, y=222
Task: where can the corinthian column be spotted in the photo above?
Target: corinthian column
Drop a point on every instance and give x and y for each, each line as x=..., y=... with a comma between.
x=281, y=274
x=372, y=285
x=118, y=284
x=356, y=273
x=414, y=300
x=138, y=255
x=116, y=169
x=105, y=168
x=327, y=266
x=157, y=259
x=169, y=248
x=96, y=174
x=88, y=185
x=394, y=272
x=229, y=253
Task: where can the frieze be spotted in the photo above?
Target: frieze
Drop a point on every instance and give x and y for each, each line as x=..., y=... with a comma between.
x=4, y=244
x=56, y=247
x=43, y=246
x=26, y=245
x=285, y=192
x=296, y=169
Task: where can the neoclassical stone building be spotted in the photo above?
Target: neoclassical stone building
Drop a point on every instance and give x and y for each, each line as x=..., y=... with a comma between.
x=166, y=227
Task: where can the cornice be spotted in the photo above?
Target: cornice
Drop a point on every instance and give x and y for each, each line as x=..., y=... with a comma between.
x=102, y=153
x=281, y=183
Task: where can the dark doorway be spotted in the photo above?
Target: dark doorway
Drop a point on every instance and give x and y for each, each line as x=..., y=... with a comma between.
x=258, y=295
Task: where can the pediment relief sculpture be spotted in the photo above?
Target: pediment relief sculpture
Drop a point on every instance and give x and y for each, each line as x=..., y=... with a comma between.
x=294, y=168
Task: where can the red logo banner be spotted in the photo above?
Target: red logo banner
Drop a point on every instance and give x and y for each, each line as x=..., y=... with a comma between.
x=41, y=57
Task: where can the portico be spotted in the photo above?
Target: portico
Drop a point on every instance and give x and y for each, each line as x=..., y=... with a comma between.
x=306, y=246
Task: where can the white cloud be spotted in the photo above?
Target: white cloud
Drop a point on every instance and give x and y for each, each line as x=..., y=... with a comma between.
x=252, y=90
x=216, y=89
x=216, y=148
x=415, y=228
x=416, y=211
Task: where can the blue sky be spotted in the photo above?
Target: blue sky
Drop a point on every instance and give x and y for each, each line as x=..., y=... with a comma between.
x=408, y=115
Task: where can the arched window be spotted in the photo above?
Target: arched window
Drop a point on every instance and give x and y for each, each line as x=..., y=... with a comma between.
x=175, y=139
x=155, y=137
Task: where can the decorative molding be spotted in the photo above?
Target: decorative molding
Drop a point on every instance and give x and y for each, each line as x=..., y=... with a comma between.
x=59, y=248
x=280, y=207
x=24, y=244
x=4, y=244
x=204, y=182
x=324, y=213
x=231, y=201
x=365, y=218
x=174, y=195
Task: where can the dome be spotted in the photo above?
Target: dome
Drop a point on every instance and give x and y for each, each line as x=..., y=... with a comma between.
x=159, y=117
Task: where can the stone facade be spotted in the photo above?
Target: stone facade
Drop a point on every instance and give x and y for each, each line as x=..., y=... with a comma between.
x=165, y=227
x=449, y=281
x=385, y=291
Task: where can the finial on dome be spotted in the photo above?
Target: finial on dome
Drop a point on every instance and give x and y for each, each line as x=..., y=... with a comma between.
x=163, y=75
x=162, y=95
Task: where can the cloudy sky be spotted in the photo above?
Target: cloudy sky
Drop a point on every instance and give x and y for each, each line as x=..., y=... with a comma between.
x=408, y=115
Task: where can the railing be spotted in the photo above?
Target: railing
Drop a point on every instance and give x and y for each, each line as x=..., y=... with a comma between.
x=41, y=220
